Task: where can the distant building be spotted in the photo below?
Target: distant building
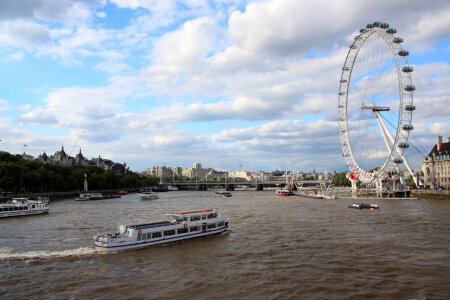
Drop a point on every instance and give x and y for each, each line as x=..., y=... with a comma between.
x=436, y=166
x=244, y=175
x=63, y=159
x=195, y=172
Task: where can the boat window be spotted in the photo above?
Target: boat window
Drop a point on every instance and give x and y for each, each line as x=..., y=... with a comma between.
x=203, y=217
x=193, y=228
x=149, y=235
x=32, y=206
x=186, y=218
x=212, y=216
x=182, y=230
x=156, y=235
x=213, y=225
x=195, y=218
x=139, y=237
x=220, y=224
x=169, y=232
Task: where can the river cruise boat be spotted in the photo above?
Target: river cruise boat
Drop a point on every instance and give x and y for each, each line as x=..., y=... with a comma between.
x=22, y=207
x=222, y=193
x=181, y=226
x=148, y=195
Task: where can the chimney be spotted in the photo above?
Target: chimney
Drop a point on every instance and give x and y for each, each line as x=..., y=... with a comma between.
x=439, y=142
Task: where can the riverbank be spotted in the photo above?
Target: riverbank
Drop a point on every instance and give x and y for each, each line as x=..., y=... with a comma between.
x=431, y=194
x=53, y=196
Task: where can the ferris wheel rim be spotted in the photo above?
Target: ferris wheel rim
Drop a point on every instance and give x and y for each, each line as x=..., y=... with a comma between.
x=405, y=101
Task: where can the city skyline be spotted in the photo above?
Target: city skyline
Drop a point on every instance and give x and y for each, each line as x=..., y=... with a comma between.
x=232, y=84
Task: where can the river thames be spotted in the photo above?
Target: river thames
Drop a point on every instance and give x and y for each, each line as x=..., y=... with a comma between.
x=277, y=248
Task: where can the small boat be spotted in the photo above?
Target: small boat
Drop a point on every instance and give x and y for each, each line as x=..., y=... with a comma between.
x=89, y=196
x=148, y=195
x=222, y=193
x=122, y=193
x=364, y=205
x=159, y=189
x=287, y=190
x=284, y=192
x=22, y=207
x=172, y=188
x=181, y=226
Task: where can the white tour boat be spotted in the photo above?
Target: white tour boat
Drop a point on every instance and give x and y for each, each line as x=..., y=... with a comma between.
x=23, y=207
x=182, y=226
x=148, y=195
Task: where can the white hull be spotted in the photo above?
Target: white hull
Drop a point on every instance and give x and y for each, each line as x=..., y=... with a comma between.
x=23, y=213
x=17, y=207
x=143, y=244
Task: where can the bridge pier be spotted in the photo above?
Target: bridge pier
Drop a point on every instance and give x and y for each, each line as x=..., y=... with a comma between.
x=201, y=187
x=229, y=187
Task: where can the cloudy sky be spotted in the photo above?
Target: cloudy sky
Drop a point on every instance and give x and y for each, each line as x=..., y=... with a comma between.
x=230, y=84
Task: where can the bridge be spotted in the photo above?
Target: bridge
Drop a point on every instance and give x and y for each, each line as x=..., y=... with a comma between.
x=231, y=185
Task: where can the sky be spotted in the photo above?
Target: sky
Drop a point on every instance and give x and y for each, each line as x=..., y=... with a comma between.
x=230, y=84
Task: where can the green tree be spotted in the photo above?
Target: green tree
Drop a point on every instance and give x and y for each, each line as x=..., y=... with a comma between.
x=340, y=179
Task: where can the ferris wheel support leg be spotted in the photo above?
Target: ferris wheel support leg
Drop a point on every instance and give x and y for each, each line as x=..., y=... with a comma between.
x=380, y=187
x=354, y=188
x=385, y=130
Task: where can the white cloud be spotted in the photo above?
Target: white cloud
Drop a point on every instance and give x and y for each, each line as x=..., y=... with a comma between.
x=24, y=33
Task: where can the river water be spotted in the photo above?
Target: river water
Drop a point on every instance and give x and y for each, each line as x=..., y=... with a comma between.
x=277, y=248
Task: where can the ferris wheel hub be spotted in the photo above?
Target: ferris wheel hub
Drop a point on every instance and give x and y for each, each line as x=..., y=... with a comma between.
x=374, y=108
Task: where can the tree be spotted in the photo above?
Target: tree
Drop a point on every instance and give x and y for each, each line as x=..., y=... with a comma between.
x=341, y=179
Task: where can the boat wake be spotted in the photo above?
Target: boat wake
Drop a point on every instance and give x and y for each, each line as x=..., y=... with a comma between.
x=9, y=253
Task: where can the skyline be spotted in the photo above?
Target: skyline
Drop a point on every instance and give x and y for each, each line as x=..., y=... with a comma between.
x=226, y=84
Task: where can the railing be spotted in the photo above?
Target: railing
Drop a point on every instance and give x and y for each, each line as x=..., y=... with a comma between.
x=434, y=192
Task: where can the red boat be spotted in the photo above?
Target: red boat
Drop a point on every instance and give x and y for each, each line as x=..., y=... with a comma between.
x=284, y=192
x=123, y=192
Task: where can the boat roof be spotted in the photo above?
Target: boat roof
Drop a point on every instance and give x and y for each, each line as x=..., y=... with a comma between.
x=192, y=212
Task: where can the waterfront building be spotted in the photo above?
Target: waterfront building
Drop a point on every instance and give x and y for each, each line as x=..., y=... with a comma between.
x=196, y=171
x=436, y=166
x=248, y=176
x=159, y=171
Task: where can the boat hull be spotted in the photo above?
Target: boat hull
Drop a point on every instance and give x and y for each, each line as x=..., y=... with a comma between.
x=23, y=213
x=144, y=244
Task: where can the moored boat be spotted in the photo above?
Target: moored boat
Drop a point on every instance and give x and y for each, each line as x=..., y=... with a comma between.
x=181, y=226
x=222, y=193
x=22, y=207
x=89, y=196
x=172, y=188
x=160, y=189
x=122, y=193
x=148, y=195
